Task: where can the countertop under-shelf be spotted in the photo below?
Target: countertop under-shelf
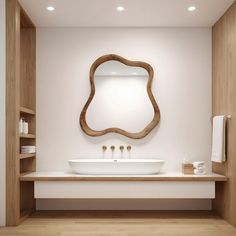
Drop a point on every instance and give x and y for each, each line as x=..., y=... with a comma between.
x=66, y=176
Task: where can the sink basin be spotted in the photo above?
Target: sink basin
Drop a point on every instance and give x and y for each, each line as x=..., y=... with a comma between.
x=116, y=166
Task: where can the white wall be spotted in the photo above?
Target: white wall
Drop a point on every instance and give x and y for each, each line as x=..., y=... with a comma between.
x=2, y=112
x=181, y=58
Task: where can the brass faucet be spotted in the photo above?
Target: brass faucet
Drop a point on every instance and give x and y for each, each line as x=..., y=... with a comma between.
x=129, y=149
x=112, y=150
x=104, y=148
x=122, y=150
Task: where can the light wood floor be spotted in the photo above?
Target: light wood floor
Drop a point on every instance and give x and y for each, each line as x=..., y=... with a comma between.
x=121, y=224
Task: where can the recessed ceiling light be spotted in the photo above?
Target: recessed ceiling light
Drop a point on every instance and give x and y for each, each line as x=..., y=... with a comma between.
x=120, y=8
x=50, y=8
x=191, y=8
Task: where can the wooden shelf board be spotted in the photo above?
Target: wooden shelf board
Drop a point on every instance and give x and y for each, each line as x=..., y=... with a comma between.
x=27, y=136
x=26, y=155
x=63, y=176
x=27, y=111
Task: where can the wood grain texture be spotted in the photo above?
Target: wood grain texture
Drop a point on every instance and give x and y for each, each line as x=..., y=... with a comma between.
x=12, y=111
x=27, y=164
x=122, y=223
x=26, y=155
x=25, y=110
x=28, y=67
x=138, y=135
x=31, y=136
x=28, y=103
x=62, y=176
x=20, y=96
x=25, y=20
x=224, y=102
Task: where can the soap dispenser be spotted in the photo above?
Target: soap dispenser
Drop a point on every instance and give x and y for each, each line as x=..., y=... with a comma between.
x=21, y=124
x=25, y=127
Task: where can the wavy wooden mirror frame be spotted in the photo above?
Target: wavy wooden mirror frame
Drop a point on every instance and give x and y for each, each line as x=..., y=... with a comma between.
x=138, y=135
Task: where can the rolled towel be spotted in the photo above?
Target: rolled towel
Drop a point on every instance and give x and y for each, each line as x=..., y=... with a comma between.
x=199, y=164
x=199, y=172
x=202, y=168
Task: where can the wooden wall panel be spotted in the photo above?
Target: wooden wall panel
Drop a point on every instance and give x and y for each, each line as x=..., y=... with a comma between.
x=27, y=100
x=12, y=111
x=20, y=91
x=28, y=67
x=224, y=102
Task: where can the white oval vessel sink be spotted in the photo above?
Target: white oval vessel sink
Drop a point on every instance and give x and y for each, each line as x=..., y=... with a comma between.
x=116, y=166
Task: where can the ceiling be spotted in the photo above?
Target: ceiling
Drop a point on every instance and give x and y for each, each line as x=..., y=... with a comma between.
x=137, y=13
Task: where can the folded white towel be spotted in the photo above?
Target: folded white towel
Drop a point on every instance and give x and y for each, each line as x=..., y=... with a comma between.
x=218, y=139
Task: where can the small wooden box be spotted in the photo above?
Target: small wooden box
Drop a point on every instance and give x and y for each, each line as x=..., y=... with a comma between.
x=187, y=169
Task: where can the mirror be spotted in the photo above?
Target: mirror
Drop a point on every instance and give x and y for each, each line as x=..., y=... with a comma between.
x=121, y=100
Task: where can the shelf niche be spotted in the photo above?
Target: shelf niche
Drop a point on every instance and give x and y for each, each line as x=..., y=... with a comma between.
x=27, y=107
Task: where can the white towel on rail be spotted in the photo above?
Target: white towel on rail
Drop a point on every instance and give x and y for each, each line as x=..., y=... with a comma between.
x=218, y=139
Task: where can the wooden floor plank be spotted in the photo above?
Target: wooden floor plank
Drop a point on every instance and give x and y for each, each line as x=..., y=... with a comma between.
x=121, y=223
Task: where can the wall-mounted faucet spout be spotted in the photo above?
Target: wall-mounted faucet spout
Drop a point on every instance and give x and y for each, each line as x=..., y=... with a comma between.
x=112, y=151
x=104, y=148
x=129, y=149
x=122, y=150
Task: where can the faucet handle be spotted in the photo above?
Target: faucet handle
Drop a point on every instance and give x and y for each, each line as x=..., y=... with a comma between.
x=104, y=148
x=112, y=148
x=121, y=148
x=129, y=148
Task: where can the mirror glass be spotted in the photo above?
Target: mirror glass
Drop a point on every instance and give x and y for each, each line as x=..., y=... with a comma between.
x=121, y=99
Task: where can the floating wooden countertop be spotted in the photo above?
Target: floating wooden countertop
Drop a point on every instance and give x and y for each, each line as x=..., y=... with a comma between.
x=66, y=176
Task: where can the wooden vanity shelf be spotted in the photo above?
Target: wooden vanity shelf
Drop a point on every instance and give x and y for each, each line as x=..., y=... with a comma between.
x=61, y=185
x=63, y=176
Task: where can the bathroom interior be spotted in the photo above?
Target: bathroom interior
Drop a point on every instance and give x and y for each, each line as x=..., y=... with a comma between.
x=118, y=117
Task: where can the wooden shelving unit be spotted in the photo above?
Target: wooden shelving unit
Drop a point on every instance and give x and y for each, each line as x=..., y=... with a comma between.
x=26, y=155
x=24, y=110
x=20, y=102
x=32, y=136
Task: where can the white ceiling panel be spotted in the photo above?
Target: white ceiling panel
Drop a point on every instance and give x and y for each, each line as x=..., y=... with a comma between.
x=137, y=13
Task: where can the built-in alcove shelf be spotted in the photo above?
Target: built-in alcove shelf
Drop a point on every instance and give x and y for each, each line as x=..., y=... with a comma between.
x=63, y=176
x=28, y=111
x=21, y=103
x=32, y=136
x=26, y=155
